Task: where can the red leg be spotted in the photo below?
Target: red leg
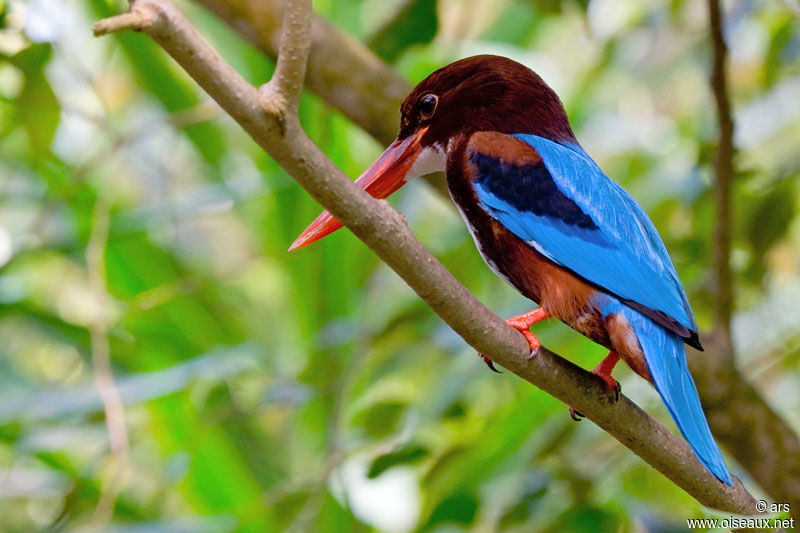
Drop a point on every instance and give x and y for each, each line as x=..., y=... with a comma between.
x=603, y=371
x=523, y=323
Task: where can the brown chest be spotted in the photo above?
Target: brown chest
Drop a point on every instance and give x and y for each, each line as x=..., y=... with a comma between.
x=557, y=290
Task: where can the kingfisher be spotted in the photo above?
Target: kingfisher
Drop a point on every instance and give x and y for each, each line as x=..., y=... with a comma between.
x=549, y=222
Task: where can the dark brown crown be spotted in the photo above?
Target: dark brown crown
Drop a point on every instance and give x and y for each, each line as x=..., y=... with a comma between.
x=486, y=93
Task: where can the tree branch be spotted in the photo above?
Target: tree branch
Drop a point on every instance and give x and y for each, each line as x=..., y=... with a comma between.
x=341, y=70
x=742, y=421
x=723, y=171
x=754, y=434
x=133, y=20
x=287, y=82
x=384, y=230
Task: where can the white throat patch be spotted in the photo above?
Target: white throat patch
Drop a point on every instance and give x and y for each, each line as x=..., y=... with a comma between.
x=432, y=159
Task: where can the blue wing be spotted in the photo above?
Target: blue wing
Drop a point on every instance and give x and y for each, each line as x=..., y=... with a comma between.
x=565, y=207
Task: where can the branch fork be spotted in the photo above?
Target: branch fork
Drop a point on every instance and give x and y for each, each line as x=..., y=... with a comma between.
x=281, y=94
x=269, y=115
x=140, y=17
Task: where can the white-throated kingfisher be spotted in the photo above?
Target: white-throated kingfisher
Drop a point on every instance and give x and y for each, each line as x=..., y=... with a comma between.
x=549, y=222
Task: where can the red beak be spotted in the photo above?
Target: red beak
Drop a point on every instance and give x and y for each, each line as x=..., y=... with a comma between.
x=382, y=178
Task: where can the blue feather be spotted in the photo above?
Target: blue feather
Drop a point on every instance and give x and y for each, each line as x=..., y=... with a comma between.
x=623, y=253
x=573, y=214
x=666, y=359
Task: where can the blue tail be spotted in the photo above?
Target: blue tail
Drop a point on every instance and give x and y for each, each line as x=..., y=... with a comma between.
x=666, y=359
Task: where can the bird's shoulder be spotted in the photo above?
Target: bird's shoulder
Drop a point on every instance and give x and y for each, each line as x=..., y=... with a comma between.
x=514, y=172
x=558, y=200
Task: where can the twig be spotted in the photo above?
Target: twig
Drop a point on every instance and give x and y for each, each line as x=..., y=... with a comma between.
x=384, y=230
x=287, y=81
x=742, y=421
x=341, y=70
x=723, y=171
x=759, y=439
x=133, y=20
x=101, y=364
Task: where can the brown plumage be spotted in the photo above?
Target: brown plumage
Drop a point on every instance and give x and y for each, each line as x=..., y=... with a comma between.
x=487, y=93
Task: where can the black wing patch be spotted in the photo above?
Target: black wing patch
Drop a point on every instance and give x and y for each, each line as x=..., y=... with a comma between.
x=529, y=187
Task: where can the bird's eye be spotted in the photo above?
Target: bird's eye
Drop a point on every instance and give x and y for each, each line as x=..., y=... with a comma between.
x=427, y=106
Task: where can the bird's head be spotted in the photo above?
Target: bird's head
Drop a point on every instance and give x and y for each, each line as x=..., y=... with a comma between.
x=480, y=93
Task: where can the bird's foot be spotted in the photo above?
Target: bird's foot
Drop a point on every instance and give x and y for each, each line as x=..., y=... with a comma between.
x=523, y=323
x=603, y=371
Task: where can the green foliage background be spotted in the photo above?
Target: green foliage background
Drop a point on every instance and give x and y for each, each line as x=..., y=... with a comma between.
x=313, y=391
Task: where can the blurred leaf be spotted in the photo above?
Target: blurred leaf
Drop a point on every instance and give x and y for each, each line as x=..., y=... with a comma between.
x=218, y=480
x=37, y=107
x=407, y=454
x=456, y=409
x=779, y=38
x=584, y=518
x=415, y=22
x=516, y=25
x=56, y=402
x=157, y=74
x=768, y=221
x=459, y=508
x=10, y=432
x=380, y=420
x=334, y=518
x=500, y=437
x=554, y=7
x=3, y=13
x=287, y=507
x=534, y=490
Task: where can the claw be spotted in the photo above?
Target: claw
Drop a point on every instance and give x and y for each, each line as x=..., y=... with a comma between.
x=489, y=363
x=533, y=341
x=577, y=416
x=603, y=371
